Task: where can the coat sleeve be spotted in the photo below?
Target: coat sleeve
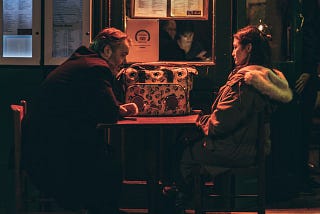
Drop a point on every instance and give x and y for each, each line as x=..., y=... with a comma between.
x=104, y=106
x=231, y=112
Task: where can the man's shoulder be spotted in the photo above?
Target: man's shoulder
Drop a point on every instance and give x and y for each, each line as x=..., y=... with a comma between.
x=91, y=59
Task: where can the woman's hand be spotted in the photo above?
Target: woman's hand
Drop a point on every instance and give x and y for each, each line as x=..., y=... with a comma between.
x=202, y=55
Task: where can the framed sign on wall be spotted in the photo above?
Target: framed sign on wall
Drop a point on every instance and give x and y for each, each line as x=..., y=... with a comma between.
x=184, y=9
x=67, y=26
x=20, y=30
x=145, y=40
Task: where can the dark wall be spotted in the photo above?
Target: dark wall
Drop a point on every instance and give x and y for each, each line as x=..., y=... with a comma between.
x=16, y=83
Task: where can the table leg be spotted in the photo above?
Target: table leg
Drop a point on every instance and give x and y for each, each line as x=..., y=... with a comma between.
x=123, y=154
x=153, y=165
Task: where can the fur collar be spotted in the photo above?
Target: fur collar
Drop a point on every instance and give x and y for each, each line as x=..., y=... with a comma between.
x=269, y=82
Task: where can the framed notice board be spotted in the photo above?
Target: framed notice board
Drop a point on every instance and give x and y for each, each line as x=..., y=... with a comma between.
x=184, y=9
x=67, y=26
x=20, y=27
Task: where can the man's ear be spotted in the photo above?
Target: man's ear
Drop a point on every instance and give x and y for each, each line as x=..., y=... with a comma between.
x=107, y=51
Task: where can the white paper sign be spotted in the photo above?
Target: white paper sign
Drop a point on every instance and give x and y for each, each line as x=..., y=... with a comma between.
x=150, y=8
x=144, y=34
x=188, y=8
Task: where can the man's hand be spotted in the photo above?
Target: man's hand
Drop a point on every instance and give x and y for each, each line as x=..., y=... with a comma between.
x=301, y=82
x=129, y=109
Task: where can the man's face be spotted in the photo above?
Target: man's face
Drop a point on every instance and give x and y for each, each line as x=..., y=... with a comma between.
x=171, y=28
x=119, y=54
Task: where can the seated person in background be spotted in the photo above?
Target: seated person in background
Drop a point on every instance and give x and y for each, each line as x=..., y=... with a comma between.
x=184, y=47
x=168, y=30
x=62, y=151
x=227, y=137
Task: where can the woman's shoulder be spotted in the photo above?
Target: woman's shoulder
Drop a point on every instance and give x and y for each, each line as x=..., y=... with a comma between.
x=270, y=82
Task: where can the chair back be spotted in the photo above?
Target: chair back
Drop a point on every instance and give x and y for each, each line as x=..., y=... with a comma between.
x=19, y=111
x=28, y=200
x=261, y=162
x=229, y=184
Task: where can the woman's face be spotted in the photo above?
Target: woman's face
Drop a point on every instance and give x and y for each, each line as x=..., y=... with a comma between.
x=240, y=53
x=187, y=38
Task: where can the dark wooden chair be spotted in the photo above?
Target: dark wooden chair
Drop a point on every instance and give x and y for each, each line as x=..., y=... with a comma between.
x=239, y=189
x=28, y=200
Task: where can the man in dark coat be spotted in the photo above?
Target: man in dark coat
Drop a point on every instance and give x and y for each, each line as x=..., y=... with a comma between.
x=63, y=152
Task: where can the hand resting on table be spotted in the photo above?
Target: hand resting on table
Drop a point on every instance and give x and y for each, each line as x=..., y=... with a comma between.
x=129, y=109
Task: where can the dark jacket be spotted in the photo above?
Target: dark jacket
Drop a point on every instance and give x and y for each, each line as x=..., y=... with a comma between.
x=172, y=52
x=311, y=34
x=232, y=127
x=61, y=146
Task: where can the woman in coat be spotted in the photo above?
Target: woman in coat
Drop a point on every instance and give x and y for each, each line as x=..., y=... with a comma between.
x=229, y=133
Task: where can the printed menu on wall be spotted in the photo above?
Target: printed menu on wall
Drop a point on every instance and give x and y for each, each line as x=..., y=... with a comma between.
x=67, y=27
x=153, y=8
x=187, y=8
x=17, y=28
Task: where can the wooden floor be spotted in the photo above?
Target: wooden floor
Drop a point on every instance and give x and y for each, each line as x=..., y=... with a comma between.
x=299, y=204
x=268, y=211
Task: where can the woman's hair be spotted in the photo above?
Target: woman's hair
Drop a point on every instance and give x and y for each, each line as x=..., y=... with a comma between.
x=184, y=27
x=108, y=36
x=260, y=52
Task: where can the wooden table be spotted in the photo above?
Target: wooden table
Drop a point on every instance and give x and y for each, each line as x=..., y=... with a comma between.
x=161, y=123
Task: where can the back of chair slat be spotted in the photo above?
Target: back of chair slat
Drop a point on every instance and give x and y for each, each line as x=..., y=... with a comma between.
x=261, y=162
x=18, y=114
x=19, y=111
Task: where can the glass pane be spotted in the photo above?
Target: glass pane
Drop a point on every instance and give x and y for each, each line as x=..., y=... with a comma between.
x=274, y=17
x=185, y=40
x=17, y=28
x=188, y=38
x=67, y=27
